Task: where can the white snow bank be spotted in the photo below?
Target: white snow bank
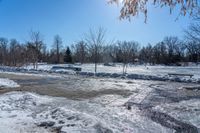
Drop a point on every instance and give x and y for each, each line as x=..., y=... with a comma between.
x=29, y=112
x=4, y=82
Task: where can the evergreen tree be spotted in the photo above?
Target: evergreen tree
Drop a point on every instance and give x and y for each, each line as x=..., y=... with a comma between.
x=68, y=56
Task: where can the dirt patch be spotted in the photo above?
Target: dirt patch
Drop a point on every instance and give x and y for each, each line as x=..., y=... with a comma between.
x=69, y=87
x=74, y=94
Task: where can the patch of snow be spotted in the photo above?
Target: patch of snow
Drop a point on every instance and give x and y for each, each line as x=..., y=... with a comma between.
x=15, y=111
x=4, y=82
x=29, y=112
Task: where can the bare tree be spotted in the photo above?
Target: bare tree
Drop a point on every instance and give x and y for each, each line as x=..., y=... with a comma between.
x=35, y=45
x=192, y=36
x=193, y=32
x=113, y=52
x=109, y=54
x=57, y=46
x=193, y=50
x=127, y=52
x=13, y=52
x=3, y=50
x=160, y=53
x=174, y=49
x=44, y=52
x=146, y=54
x=80, y=51
x=95, y=40
x=20, y=54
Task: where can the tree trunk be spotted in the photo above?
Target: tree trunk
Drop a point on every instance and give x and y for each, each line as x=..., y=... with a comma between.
x=95, y=67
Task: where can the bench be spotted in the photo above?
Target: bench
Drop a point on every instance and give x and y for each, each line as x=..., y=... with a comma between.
x=176, y=74
x=78, y=69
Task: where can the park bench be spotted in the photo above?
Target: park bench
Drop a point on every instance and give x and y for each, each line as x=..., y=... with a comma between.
x=178, y=74
x=67, y=68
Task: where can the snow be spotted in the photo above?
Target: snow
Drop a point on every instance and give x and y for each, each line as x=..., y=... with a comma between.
x=26, y=112
x=158, y=72
x=188, y=111
x=98, y=112
x=7, y=83
x=132, y=69
x=15, y=111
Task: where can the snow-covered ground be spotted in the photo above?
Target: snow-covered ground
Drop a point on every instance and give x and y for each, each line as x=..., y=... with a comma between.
x=132, y=69
x=159, y=73
x=148, y=70
x=4, y=82
x=98, y=105
x=29, y=112
x=187, y=111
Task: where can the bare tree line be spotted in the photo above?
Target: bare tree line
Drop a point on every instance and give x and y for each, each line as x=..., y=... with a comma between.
x=94, y=48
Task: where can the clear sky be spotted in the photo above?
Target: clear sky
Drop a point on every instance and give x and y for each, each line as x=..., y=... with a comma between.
x=71, y=19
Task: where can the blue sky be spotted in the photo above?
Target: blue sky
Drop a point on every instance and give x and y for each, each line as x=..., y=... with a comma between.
x=71, y=19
